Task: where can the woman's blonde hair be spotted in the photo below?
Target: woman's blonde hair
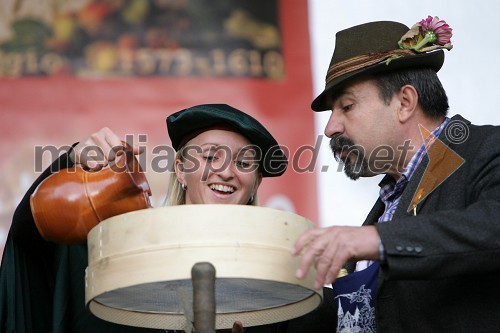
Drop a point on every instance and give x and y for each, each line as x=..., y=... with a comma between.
x=176, y=194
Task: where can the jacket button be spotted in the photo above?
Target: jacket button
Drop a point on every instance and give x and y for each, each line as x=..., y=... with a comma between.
x=418, y=249
x=409, y=249
x=399, y=248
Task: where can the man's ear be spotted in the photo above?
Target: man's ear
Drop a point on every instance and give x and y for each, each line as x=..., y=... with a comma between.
x=408, y=98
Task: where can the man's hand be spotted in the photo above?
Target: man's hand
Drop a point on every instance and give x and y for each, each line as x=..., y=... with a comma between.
x=328, y=249
x=237, y=328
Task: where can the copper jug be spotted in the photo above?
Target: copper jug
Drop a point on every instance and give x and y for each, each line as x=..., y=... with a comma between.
x=69, y=203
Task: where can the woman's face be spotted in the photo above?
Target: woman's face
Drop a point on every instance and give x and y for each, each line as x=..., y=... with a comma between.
x=218, y=167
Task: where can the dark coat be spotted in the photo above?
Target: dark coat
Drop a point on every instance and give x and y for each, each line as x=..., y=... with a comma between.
x=443, y=265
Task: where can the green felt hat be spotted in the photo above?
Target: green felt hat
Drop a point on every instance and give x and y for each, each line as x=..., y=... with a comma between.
x=366, y=49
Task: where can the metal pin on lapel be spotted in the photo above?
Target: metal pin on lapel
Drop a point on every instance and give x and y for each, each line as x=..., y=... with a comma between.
x=415, y=210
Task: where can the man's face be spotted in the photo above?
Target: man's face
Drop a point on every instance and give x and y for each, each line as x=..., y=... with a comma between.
x=363, y=128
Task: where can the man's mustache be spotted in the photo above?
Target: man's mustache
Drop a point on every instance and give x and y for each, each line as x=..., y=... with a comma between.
x=339, y=143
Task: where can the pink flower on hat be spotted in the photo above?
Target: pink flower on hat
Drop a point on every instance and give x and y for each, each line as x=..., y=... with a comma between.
x=427, y=35
x=438, y=30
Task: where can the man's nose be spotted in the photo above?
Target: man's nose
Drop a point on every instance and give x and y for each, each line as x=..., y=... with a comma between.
x=334, y=125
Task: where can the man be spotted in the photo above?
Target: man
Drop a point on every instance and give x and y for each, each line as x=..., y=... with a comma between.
x=426, y=258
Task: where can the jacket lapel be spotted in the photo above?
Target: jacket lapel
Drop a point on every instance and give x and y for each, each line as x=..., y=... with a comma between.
x=436, y=166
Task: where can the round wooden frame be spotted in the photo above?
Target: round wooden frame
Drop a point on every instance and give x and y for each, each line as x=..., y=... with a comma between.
x=140, y=264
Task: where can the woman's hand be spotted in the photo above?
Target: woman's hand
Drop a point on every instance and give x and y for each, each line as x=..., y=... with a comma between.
x=98, y=149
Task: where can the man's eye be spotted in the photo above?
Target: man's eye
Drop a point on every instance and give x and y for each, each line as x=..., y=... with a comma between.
x=346, y=108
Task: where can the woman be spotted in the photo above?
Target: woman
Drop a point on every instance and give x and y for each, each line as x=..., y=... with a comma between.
x=211, y=138
x=222, y=156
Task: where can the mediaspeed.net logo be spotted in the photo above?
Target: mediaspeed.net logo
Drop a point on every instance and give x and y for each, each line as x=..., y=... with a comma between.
x=443, y=161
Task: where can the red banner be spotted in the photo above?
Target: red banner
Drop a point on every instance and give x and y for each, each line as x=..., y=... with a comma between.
x=74, y=69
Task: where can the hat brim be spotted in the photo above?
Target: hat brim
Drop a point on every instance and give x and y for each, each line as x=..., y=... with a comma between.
x=433, y=60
